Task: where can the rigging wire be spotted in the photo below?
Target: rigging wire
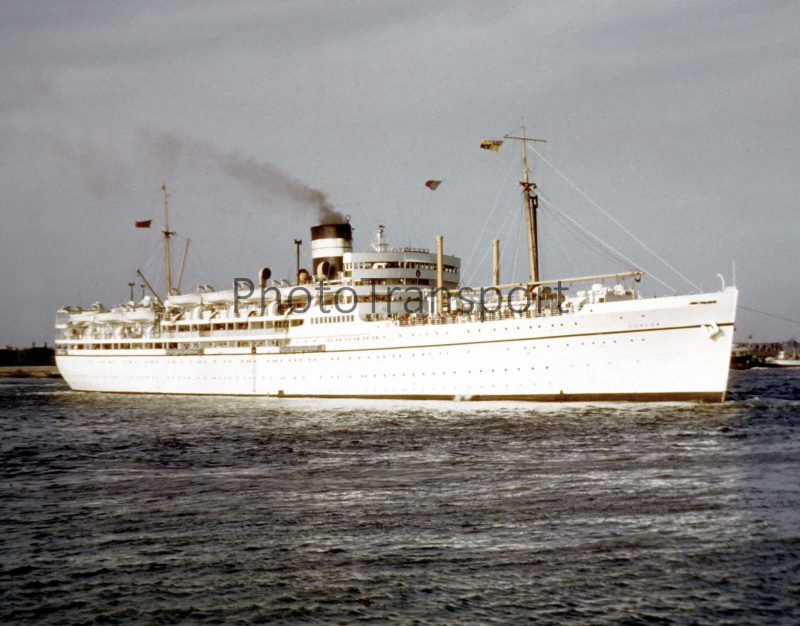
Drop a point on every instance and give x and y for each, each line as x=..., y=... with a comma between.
x=503, y=227
x=512, y=224
x=582, y=238
x=561, y=245
x=153, y=252
x=777, y=317
x=503, y=188
x=612, y=218
x=422, y=199
x=601, y=242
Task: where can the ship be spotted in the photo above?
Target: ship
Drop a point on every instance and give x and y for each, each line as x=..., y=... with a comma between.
x=397, y=322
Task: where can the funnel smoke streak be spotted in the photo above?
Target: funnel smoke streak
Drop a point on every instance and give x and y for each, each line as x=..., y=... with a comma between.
x=271, y=180
x=262, y=178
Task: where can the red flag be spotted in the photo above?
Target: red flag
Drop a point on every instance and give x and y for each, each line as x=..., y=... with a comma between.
x=432, y=184
x=144, y=224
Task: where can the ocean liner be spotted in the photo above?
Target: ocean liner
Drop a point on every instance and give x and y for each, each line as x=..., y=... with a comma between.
x=397, y=323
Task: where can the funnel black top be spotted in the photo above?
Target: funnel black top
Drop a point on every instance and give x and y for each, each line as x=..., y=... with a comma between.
x=332, y=231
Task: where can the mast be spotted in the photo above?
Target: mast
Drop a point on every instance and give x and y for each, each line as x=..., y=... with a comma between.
x=531, y=205
x=167, y=235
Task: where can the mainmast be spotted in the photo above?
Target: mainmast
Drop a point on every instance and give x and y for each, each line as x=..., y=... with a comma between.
x=531, y=205
x=167, y=235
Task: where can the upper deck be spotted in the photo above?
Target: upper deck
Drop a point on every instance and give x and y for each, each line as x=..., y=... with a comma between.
x=292, y=319
x=349, y=291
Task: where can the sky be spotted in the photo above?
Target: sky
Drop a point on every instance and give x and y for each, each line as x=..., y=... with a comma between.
x=676, y=118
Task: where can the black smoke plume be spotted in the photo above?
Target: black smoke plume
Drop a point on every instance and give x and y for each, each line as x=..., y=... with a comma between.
x=258, y=176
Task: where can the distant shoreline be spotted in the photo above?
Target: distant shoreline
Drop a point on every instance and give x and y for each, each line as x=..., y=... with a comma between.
x=29, y=371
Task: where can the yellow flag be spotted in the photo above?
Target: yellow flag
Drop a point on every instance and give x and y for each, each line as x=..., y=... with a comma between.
x=491, y=144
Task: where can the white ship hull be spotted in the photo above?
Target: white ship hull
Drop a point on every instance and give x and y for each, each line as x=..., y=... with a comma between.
x=672, y=348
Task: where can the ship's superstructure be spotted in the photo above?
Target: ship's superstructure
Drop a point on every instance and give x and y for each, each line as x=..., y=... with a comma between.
x=396, y=323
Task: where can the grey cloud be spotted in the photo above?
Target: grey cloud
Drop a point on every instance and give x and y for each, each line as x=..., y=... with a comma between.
x=678, y=117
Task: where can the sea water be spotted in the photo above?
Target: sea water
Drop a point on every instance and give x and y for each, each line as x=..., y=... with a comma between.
x=166, y=509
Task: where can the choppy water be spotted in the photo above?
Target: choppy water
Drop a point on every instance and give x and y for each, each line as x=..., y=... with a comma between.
x=135, y=509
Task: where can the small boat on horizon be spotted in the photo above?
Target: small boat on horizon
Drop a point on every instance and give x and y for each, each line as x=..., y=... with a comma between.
x=784, y=358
